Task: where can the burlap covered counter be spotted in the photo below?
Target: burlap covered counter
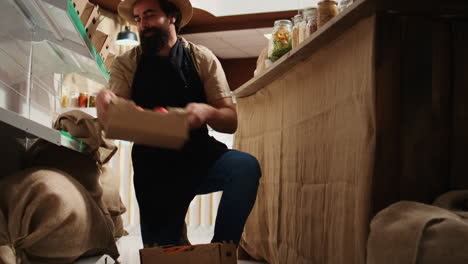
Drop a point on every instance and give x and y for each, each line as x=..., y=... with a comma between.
x=314, y=135
x=369, y=111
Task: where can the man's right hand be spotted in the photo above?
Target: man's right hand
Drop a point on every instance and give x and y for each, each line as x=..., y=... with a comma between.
x=103, y=100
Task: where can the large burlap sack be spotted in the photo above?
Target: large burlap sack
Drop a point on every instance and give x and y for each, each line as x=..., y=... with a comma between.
x=90, y=169
x=410, y=232
x=46, y=216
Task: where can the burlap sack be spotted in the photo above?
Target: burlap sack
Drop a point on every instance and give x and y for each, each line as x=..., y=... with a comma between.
x=111, y=199
x=410, y=232
x=46, y=216
x=86, y=128
x=97, y=178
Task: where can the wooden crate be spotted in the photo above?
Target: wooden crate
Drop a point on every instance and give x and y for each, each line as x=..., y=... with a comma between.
x=93, y=21
x=99, y=38
x=84, y=9
x=106, y=48
x=109, y=59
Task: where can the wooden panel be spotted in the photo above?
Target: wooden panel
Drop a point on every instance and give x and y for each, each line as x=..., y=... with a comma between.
x=414, y=110
x=424, y=7
x=109, y=5
x=420, y=144
x=387, y=80
x=460, y=99
x=203, y=21
x=442, y=98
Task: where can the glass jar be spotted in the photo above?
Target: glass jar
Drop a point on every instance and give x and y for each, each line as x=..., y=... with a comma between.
x=64, y=102
x=327, y=9
x=298, y=31
x=311, y=20
x=92, y=100
x=73, y=99
x=280, y=42
x=345, y=4
x=83, y=100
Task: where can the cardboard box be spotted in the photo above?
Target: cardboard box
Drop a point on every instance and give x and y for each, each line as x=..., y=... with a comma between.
x=126, y=122
x=215, y=253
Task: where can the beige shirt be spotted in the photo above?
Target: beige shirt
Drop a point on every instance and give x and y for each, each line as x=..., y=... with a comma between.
x=208, y=67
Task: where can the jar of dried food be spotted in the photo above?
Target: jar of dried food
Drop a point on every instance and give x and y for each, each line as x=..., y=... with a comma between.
x=345, y=4
x=327, y=9
x=281, y=39
x=310, y=15
x=298, y=31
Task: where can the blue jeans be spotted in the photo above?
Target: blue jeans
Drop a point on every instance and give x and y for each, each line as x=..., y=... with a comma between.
x=235, y=173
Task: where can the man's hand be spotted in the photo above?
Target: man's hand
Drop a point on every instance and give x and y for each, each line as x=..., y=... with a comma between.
x=199, y=114
x=221, y=115
x=103, y=100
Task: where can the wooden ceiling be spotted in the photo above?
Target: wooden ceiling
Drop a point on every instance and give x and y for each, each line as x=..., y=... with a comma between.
x=203, y=21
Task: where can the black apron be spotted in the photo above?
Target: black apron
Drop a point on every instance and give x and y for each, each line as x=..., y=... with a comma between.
x=171, y=82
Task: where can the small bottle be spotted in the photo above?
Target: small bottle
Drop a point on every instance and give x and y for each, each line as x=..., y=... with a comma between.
x=281, y=39
x=64, y=102
x=73, y=99
x=327, y=9
x=92, y=100
x=311, y=20
x=83, y=100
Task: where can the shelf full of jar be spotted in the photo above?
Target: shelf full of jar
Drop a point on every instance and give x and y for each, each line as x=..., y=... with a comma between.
x=326, y=32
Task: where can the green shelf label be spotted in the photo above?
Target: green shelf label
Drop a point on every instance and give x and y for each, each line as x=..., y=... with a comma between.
x=74, y=143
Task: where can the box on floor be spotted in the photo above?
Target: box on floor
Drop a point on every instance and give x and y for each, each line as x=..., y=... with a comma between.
x=215, y=253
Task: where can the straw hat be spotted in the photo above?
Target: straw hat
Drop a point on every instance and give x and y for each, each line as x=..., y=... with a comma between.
x=126, y=10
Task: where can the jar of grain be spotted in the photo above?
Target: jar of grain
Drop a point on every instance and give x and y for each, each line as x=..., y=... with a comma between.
x=298, y=31
x=327, y=9
x=310, y=15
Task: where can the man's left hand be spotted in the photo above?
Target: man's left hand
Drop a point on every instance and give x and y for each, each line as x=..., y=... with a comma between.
x=199, y=114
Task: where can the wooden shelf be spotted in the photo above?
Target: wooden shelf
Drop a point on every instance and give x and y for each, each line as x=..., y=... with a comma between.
x=323, y=36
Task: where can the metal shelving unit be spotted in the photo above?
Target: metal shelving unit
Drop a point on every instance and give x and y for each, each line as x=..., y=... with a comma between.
x=41, y=40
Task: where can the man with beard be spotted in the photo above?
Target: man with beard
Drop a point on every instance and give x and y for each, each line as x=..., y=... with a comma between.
x=168, y=71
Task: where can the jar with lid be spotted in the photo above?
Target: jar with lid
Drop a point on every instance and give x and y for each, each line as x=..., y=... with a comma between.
x=298, y=31
x=310, y=15
x=72, y=100
x=92, y=100
x=327, y=9
x=345, y=4
x=281, y=39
